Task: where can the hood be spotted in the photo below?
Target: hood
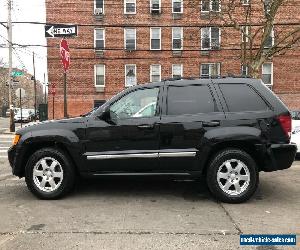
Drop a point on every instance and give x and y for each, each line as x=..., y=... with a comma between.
x=52, y=124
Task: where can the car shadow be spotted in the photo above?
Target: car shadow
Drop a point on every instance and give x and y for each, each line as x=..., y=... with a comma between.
x=157, y=187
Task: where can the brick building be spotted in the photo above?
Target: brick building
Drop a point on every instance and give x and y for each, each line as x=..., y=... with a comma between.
x=126, y=42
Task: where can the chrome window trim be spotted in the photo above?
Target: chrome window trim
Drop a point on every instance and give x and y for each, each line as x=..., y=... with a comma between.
x=141, y=155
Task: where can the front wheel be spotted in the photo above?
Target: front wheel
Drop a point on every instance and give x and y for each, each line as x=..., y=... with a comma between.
x=49, y=174
x=232, y=176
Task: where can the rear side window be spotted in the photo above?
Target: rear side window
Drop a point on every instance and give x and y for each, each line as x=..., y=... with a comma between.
x=193, y=99
x=241, y=97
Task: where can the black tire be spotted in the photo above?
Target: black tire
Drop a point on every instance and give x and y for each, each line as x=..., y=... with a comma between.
x=212, y=173
x=68, y=179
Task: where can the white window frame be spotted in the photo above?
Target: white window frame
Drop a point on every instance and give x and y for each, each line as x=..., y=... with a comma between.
x=95, y=40
x=126, y=85
x=181, y=69
x=180, y=8
x=151, y=72
x=152, y=4
x=129, y=1
x=272, y=34
x=210, y=47
x=209, y=73
x=181, y=37
x=125, y=32
x=245, y=29
x=210, y=7
x=95, y=74
x=151, y=38
x=246, y=2
x=242, y=70
x=272, y=73
x=102, y=7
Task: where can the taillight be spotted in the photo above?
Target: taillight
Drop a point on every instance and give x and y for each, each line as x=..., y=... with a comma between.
x=286, y=124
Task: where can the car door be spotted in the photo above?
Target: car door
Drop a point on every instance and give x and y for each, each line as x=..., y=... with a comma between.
x=189, y=112
x=129, y=140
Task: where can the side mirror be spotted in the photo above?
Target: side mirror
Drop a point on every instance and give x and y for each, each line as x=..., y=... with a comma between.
x=105, y=114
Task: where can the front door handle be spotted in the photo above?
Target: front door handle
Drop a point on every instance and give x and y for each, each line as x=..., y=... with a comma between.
x=146, y=126
x=211, y=124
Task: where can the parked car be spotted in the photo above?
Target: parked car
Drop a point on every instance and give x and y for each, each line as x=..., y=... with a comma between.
x=227, y=129
x=295, y=138
x=24, y=116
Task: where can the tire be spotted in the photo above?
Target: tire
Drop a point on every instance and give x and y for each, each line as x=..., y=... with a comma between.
x=224, y=182
x=49, y=174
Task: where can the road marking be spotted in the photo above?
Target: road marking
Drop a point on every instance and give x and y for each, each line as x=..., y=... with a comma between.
x=2, y=157
x=3, y=151
x=4, y=147
x=5, y=141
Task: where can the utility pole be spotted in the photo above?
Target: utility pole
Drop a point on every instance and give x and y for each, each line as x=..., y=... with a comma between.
x=12, y=127
x=34, y=87
x=45, y=88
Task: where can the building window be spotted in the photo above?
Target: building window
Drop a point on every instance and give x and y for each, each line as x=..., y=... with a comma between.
x=244, y=70
x=177, y=6
x=177, y=71
x=267, y=6
x=98, y=7
x=155, y=6
x=267, y=73
x=130, y=75
x=155, y=73
x=210, y=38
x=99, y=39
x=177, y=38
x=130, y=38
x=269, y=42
x=210, y=70
x=100, y=75
x=245, y=33
x=155, y=38
x=245, y=2
x=210, y=5
x=130, y=6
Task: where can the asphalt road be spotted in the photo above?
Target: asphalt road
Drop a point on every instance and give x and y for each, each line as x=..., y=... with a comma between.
x=134, y=213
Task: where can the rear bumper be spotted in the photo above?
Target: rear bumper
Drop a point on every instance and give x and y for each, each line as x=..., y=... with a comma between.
x=277, y=156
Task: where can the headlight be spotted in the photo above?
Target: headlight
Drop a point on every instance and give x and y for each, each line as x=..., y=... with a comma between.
x=296, y=130
x=16, y=139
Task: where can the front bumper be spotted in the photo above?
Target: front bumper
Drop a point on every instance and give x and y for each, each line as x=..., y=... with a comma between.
x=277, y=156
x=15, y=160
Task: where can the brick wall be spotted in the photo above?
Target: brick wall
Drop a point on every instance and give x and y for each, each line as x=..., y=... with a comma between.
x=81, y=88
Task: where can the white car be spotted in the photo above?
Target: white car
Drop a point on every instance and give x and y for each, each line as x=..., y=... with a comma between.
x=25, y=116
x=295, y=138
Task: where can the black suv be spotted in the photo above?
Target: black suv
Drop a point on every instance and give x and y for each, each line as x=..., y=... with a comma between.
x=226, y=129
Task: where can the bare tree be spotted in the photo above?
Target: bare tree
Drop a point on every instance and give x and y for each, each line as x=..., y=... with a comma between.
x=263, y=33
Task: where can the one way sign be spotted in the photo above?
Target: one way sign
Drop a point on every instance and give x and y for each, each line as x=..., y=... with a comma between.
x=60, y=30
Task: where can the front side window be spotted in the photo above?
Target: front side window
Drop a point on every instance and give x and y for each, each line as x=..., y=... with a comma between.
x=99, y=39
x=210, y=38
x=177, y=6
x=155, y=73
x=241, y=97
x=177, y=71
x=130, y=38
x=210, y=5
x=177, y=38
x=210, y=70
x=267, y=73
x=130, y=6
x=193, y=99
x=130, y=75
x=155, y=37
x=137, y=104
x=100, y=75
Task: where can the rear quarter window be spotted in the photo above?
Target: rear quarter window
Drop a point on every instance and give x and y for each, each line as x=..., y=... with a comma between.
x=241, y=97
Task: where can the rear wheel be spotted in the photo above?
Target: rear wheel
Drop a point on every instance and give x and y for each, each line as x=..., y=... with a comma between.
x=49, y=174
x=232, y=176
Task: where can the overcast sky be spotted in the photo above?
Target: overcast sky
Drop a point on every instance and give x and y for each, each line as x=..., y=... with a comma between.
x=33, y=10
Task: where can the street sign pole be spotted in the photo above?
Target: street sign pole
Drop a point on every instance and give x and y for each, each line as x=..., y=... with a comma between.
x=65, y=96
x=21, y=107
x=34, y=88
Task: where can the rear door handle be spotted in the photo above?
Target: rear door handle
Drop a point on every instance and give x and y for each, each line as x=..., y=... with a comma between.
x=211, y=124
x=146, y=126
